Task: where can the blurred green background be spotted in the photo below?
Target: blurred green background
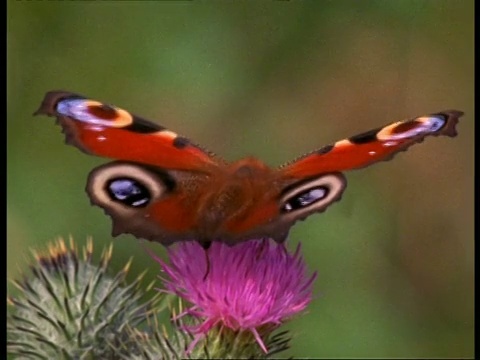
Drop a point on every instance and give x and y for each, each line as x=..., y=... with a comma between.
x=273, y=79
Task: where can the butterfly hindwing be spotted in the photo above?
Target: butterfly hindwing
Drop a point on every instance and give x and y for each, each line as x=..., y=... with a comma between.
x=296, y=200
x=148, y=202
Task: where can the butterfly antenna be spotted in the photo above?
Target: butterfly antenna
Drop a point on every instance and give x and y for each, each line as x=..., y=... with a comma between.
x=206, y=245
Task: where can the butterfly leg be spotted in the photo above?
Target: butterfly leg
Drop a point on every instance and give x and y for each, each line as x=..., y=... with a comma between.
x=206, y=245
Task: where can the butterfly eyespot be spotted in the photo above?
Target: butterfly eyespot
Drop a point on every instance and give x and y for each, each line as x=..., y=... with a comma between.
x=125, y=188
x=313, y=195
x=103, y=111
x=94, y=112
x=406, y=126
x=129, y=192
x=434, y=123
x=407, y=129
x=305, y=198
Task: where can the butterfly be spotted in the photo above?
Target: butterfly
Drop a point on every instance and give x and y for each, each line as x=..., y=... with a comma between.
x=165, y=188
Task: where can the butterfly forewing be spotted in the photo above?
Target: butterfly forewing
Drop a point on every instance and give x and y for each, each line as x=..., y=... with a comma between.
x=373, y=146
x=108, y=131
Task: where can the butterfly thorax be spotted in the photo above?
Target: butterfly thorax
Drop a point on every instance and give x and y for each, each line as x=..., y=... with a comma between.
x=236, y=190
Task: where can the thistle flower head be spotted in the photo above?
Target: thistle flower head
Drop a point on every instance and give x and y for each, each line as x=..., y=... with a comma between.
x=250, y=287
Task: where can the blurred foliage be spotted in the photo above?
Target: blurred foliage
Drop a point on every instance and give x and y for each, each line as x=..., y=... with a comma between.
x=274, y=79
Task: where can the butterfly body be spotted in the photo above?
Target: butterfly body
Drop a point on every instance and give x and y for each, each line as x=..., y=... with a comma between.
x=164, y=188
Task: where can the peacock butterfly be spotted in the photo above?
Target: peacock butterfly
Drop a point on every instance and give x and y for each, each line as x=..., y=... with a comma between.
x=165, y=188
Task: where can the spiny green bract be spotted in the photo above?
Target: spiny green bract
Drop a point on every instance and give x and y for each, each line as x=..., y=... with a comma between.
x=69, y=308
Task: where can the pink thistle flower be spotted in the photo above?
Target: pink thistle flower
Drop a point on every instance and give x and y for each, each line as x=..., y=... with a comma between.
x=254, y=284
